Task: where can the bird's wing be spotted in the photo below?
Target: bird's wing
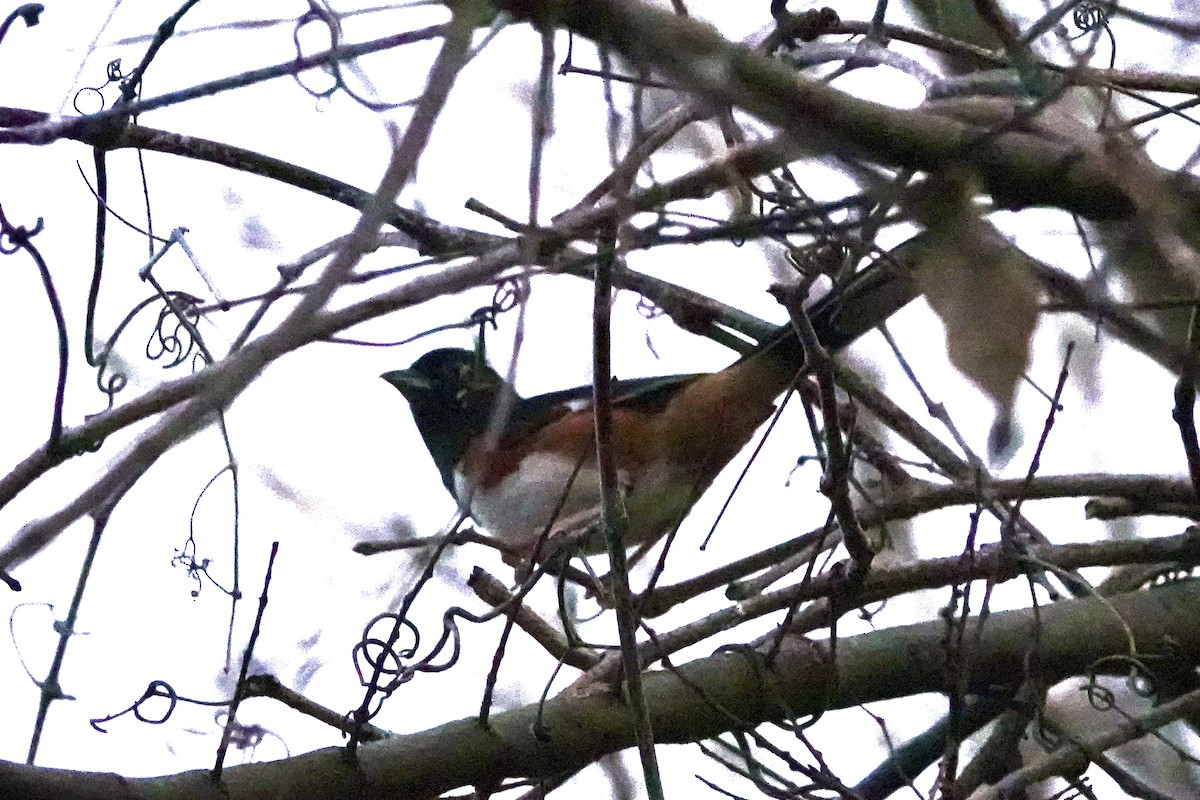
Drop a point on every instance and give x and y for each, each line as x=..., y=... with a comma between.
x=650, y=393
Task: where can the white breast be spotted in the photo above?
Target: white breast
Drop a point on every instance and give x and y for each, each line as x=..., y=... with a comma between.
x=518, y=509
x=521, y=506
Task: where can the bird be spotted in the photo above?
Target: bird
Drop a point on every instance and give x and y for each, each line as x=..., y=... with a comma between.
x=672, y=434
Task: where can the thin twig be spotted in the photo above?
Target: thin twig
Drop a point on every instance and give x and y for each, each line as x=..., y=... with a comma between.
x=1074, y=756
x=493, y=592
x=239, y=693
x=615, y=522
x=835, y=484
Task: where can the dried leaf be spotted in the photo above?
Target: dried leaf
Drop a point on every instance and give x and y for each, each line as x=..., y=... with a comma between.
x=981, y=288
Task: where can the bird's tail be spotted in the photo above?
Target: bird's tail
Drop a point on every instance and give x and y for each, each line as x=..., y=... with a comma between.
x=848, y=311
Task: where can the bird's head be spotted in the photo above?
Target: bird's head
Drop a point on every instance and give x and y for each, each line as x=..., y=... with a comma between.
x=450, y=379
x=452, y=394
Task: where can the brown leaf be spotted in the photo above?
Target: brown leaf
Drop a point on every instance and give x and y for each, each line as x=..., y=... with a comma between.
x=980, y=286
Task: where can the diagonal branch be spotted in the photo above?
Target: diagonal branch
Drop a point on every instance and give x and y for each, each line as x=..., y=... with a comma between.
x=1016, y=168
x=236, y=373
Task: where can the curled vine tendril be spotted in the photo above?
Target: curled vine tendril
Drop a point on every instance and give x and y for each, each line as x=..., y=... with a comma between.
x=112, y=74
x=115, y=381
x=174, y=340
x=506, y=297
x=384, y=665
x=156, y=689
x=1088, y=17
x=1141, y=681
x=319, y=13
x=508, y=293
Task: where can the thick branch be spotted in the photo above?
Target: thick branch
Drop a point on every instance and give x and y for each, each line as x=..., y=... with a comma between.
x=571, y=731
x=1018, y=169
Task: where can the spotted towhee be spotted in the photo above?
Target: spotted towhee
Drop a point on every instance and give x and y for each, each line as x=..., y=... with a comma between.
x=672, y=434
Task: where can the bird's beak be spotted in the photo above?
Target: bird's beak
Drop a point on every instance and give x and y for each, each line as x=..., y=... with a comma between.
x=406, y=380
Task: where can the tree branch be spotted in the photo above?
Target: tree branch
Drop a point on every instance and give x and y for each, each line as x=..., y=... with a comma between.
x=1067, y=638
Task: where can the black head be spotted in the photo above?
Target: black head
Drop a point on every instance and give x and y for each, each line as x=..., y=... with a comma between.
x=446, y=377
x=452, y=396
